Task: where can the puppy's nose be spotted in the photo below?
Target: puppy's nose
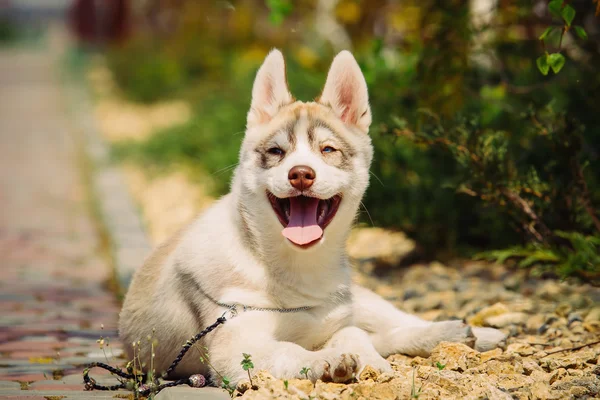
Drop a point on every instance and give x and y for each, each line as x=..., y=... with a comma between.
x=302, y=177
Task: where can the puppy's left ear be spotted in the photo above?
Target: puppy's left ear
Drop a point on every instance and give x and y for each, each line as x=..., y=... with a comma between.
x=270, y=91
x=346, y=93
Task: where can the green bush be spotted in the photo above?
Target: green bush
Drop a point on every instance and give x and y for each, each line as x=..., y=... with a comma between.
x=144, y=73
x=8, y=31
x=207, y=144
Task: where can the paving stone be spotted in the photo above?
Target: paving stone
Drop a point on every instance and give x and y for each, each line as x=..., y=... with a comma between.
x=54, y=385
x=24, y=377
x=53, y=298
x=45, y=394
x=18, y=345
x=74, y=379
x=32, y=367
x=7, y=362
x=83, y=360
x=33, y=354
x=189, y=393
x=9, y=385
x=37, y=339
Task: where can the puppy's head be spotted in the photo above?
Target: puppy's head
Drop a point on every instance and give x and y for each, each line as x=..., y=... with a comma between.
x=305, y=166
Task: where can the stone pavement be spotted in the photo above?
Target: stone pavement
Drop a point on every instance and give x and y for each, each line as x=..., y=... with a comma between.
x=55, y=302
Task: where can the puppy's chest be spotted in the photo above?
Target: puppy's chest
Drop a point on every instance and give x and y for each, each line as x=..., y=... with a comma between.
x=312, y=329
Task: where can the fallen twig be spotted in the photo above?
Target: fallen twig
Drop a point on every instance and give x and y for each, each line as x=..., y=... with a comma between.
x=574, y=348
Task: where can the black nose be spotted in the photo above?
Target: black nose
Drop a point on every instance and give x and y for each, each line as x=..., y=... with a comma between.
x=302, y=177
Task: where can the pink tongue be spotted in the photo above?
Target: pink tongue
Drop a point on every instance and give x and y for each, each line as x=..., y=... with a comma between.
x=303, y=228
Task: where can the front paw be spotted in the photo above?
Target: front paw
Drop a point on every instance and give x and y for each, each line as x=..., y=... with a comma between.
x=377, y=362
x=489, y=339
x=340, y=369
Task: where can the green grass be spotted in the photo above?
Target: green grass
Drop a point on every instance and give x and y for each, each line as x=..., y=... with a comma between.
x=208, y=144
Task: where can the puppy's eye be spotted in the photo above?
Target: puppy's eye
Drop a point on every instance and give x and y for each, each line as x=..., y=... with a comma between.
x=327, y=149
x=276, y=151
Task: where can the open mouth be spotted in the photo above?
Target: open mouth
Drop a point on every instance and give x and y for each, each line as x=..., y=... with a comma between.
x=304, y=218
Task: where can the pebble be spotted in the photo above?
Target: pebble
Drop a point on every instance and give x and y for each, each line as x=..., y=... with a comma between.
x=574, y=317
x=593, y=315
x=386, y=248
x=543, y=329
x=455, y=356
x=504, y=320
x=491, y=311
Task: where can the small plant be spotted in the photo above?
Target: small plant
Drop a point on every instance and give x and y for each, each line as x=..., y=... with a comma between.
x=285, y=383
x=414, y=392
x=566, y=13
x=104, y=343
x=439, y=365
x=205, y=359
x=151, y=378
x=579, y=255
x=136, y=367
x=247, y=365
x=304, y=371
x=226, y=384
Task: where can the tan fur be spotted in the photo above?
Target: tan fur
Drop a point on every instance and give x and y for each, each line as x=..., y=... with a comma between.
x=147, y=276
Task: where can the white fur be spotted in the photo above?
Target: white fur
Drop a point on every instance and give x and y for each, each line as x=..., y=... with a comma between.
x=270, y=91
x=235, y=253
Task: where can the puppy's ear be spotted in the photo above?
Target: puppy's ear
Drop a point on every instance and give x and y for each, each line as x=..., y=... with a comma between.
x=270, y=91
x=346, y=93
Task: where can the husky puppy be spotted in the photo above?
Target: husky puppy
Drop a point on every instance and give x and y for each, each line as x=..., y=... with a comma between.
x=274, y=247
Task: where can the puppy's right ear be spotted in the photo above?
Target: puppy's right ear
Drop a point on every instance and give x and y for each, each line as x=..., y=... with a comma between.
x=270, y=91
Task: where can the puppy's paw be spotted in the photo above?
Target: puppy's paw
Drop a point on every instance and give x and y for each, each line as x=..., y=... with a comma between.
x=340, y=369
x=453, y=331
x=488, y=339
x=377, y=362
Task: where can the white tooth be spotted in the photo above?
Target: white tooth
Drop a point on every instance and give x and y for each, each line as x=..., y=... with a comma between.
x=323, y=209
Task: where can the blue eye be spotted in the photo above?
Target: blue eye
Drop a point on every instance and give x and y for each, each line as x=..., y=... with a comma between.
x=328, y=149
x=276, y=151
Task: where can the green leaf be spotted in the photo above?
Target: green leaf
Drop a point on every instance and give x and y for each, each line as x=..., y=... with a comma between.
x=555, y=7
x=568, y=13
x=556, y=62
x=546, y=32
x=581, y=32
x=539, y=256
x=247, y=362
x=280, y=9
x=542, y=64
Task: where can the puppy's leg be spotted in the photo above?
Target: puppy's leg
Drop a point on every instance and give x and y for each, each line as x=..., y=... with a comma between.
x=393, y=331
x=356, y=341
x=255, y=333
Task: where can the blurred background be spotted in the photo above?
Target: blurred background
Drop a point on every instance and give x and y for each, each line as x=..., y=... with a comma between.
x=486, y=113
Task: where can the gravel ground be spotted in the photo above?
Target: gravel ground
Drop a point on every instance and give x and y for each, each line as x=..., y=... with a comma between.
x=544, y=319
